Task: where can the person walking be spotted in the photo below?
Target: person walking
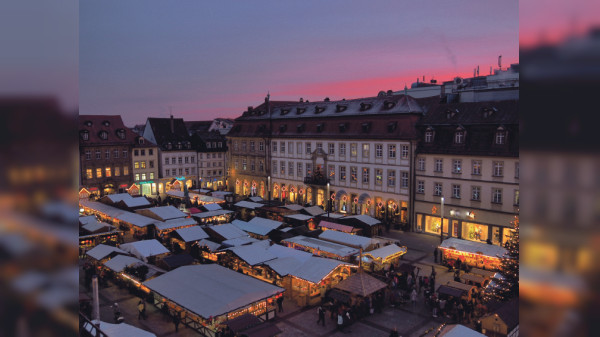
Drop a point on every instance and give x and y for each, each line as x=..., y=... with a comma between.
x=413, y=298
x=394, y=332
x=176, y=320
x=321, y=313
x=280, y=303
x=435, y=255
x=340, y=322
x=141, y=310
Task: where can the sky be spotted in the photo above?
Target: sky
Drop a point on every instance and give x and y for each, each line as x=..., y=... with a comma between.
x=207, y=59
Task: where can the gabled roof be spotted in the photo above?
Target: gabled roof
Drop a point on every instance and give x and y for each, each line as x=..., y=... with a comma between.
x=145, y=248
x=119, y=262
x=314, y=210
x=190, y=234
x=366, y=219
x=228, y=231
x=212, y=207
x=111, y=124
x=336, y=226
x=255, y=228
x=125, y=216
x=253, y=254
x=346, y=239
x=101, y=251
x=301, y=217
x=161, y=127
x=248, y=204
x=198, y=126
x=244, y=240
x=162, y=213
x=386, y=251
x=509, y=313
x=326, y=246
x=212, y=246
x=473, y=247
x=175, y=223
x=361, y=284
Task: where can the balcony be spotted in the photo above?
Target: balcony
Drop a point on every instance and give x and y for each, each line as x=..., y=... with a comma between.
x=316, y=179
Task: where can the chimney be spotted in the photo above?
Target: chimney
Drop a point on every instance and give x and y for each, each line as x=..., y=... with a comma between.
x=172, y=125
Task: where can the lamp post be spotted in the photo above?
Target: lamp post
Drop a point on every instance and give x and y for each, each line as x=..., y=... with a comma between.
x=327, y=204
x=442, y=223
x=269, y=190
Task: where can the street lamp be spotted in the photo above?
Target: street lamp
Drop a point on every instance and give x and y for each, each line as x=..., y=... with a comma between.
x=442, y=224
x=327, y=204
x=269, y=189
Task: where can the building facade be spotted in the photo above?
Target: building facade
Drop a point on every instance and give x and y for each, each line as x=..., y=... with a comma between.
x=144, y=161
x=212, y=160
x=104, y=154
x=468, y=155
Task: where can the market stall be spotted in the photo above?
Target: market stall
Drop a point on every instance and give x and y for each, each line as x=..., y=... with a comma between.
x=134, y=223
x=102, y=253
x=296, y=220
x=382, y=258
x=356, y=241
x=247, y=209
x=326, y=225
x=186, y=237
x=475, y=254
x=360, y=285
x=468, y=289
x=164, y=228
x=146, y=250
x=321, y=248
x=216, y=216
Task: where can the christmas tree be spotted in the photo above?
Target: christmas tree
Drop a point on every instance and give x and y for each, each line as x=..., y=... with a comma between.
x=506, y=286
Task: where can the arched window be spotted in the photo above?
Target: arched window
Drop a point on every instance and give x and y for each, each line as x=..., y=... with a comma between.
x=500, y=138
x=85, y=135
x=429, y=135
x=459, y=136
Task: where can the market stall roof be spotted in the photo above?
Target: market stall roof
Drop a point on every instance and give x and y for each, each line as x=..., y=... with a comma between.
x=294, y=207
x=509, y=313
x=317, y=268
x=212, y=207
x=301, y=217
x=255, y=228
x=266, y=222
x=119, y=214
x=96, y=226
x=101, y=251
x=386, y=251
x=361, y=284
x=256, y=199
x=87, y=219
x=212, y=246
x=162, y=213
x=190, y=234
x=128, y=200
x=119, y=262
x=333, y=215
x=211, y=290
x=209, y=214
x=326, y=246
x=473, y=247
x=228, y=231
x=454, y=330
x=175, y=223
x=346, y=239
x=314, y=210
x=239, y=241
x=206, y=199
x=451, y=291
x=366, y=219
x=253, y=254
x=145, y=248
x=194, y=210
x=117, y=330
x=336, y=226
x=174, y=261
x=248, y=204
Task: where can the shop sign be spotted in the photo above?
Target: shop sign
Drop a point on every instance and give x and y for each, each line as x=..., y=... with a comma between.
x=180, y=178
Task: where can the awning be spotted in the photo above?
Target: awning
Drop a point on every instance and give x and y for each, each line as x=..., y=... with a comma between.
x=450, y=291
x=339, y=194
x=363, y=198
x=339, y=295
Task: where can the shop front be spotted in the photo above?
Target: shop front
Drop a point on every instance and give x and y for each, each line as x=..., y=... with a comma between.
x=474, y=254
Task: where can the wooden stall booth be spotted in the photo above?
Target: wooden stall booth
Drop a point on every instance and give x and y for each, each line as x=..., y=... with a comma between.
x=468, y=289
x=382, y=258
x=474, y=254
x=321, y=248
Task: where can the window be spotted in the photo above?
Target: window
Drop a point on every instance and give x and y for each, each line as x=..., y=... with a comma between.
x=500, y=137
x=404, y=151
x=476, y=193
x=331, y=173
x=180, y=160
x=420, y=186
x=187, y=159
x=166, y=161
x=235, y=145
x=116, y=154
x=320, y=146
x=98, y=155
x=251, y=146
x=391, y=178
x=517, y=170
x=428, y=136
x=98, y=173
x=214, y=155
x=125, y=170
x=107, y=154
x=88, y=155
x=252, y=166
x=365, y=175
x=142, y=151
x=151, y=163
x=261, y=166
x=208, y=146
x=143, y=176
x=85, y=135
x=378, y=151
x=136, y=165
x=365, y=151
x=421, y=164
x=437, y=189
x=392, y=151
x=167, y=172
x=220, y=144
x=244, y=167
x=143, y=164
x=299, y=170
x=201, y=155
x=104, y=135
x=124, y=153
x=219, y=156
x=353, y=174
x=439, y=165
x=117, y=171
x=342, y=173
x=496, y=195
x=136, y=153
x=331, y=148
x=342, y=149
x=152, y=174
x=459, y=137
x=180, y=171
x=282, y=167
x=404, y=179
x=290, y=148
x=89, y=174
x=308, y=148
x=476, y=167
x=150, y=152
x=516, y=198
x=456, y=166
x=498, y=168
x=282, y=147
x=353, y=151
x=308, y=169
x=137, y=177
x=456, y=191
x=378, y=176
x=299, y=148
x=290, y=168
x=261, y=146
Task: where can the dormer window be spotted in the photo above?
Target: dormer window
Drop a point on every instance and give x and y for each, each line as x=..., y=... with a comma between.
x=141, y=141
x=179, y=145
x=392, y=126
x=319, y=109
x=300, y=127
x=388, y=105
x=340, y=108
x=429, y=135
x=284, y=111
x=500, y=136
x=343, y=127
x=320, y=127
x=121, y=133
x=366, y=127
x=169, y=146
x=85, y=135
x=365, y=106
x=103, y=135
x=282, y=128
x=106, y=123
x=459, y=136
x=451, y=113
x=300, y=111
x=188, y=145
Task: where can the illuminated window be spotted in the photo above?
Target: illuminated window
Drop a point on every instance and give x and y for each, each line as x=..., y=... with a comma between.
x=365, y=175
x=143, y=176
x=136, y=165
x=365, y=151
x=143, y=164
x=456, y=166
x=353, y=174
x=378, y=176
x=125, y=170
x=98, y=173
x=89, y=174
x=353, y=150
x=117, y=171
x=332, y=173
x=137, y=177
x=108, y=172
x=476, y=167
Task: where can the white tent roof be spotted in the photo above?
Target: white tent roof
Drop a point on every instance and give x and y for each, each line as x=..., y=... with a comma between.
x=145, y=248
x=385, y=251
x=87, y=219
x=128, y=200
x=174, y=223
x=118, y=330
x=266, y=222
x=101, y=251
x=212, y=207
x=314, y=210
x=94, y=226
x=248, y=204
x=211, y=290
x=119, y=214
x=239, y=241
x=302, y=217
x=119, y=262
x=294, y=207
x=193, y=233
x=256, y=199
x=212, y=246
x=253, y=254
x=473, y=247
x=346, y=239
x=164, y=212
x=255, y=228
x=118, y=197
x=459, y=331
x=228, y=231
x=323, y=245
x=211, y=213
x=369, y=220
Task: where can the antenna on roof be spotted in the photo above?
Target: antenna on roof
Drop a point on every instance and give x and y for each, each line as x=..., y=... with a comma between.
x=171, y=111
x=500, y=62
